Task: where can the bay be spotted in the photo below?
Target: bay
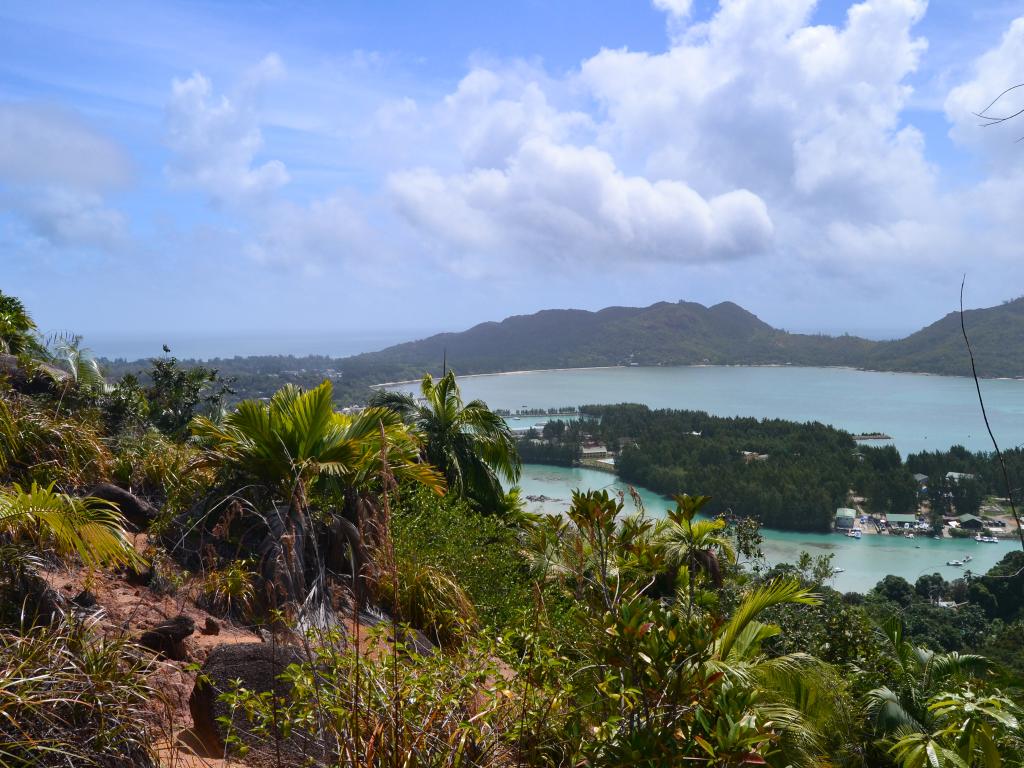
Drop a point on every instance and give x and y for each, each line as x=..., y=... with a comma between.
x=865, y=561
x=919, y=412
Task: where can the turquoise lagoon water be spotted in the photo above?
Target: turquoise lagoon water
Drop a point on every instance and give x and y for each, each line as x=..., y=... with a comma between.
x=919, y=412
x=864, y=561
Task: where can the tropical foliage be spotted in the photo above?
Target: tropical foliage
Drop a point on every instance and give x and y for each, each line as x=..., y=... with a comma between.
x=468, y=442
x=437, y=624
x=69, y=696
x=89, y=528
x=296, y=449
x=18, y=334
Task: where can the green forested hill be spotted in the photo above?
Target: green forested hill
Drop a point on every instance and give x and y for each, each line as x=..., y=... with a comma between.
x=661, y=334
x=997, y=335
x=687, y=333
x=684, y=333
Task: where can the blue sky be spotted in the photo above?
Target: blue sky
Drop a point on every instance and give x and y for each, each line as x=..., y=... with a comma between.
x=386, y=167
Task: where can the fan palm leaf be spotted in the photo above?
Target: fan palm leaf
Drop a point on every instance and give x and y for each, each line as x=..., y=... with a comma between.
x=91, y=528
x=297, y=438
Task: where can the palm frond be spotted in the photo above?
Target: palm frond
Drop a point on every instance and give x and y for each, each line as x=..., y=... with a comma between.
x=91, y=528
x=777, y=592
x=887, y=712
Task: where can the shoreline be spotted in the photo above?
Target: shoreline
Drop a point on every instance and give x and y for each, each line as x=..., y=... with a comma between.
x=529, y=370
x=712, y=365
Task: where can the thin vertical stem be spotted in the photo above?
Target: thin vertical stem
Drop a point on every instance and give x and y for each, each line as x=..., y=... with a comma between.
x=984, y=414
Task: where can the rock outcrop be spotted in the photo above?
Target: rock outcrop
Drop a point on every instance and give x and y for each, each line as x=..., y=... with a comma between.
x=138, y=512
x=167, y=639
x=256, y=667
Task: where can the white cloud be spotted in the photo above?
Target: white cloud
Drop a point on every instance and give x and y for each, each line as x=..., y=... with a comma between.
x=752, y=122
x=44, y=145
x=995, y=202
x=71, y=219
x=215, y=140
x=54, y=169
x=678, y=8
x=325, y=231
x=558, y=202
x=491, y=113
x=993, y=73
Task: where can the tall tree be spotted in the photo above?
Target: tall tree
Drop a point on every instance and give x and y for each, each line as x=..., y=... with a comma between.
x=17, y=330
x=469, y=443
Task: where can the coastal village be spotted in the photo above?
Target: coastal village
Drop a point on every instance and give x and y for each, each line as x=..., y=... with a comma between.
x=995, y=522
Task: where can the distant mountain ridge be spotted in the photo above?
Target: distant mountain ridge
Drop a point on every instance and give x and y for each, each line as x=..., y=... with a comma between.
x=687, y=333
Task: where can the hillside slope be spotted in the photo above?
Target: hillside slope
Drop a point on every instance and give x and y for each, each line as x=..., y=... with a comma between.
x=687, y=333
x=996, y=333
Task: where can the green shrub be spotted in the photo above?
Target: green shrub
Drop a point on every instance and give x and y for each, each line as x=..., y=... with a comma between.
x=231, y=590
x=480, y=553
x=161, y=470
x=431, y=601
x=353, y=707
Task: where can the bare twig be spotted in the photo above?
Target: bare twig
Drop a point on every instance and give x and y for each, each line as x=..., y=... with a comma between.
x=984, y=414
x=995, y=120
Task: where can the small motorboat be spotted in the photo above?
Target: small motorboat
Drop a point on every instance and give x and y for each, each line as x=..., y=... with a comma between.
x=967, y=558
x=854, y=533
x=908, y=535
x=838, y=570
x=955, y=563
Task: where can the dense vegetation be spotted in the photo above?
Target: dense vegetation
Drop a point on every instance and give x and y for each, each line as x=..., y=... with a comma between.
x=422, y=618
x=788, y=475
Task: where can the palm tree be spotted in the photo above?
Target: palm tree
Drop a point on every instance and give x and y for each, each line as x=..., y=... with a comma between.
x=698, y=546
x=902, y=707
x=17, y=330
x=78, y=362
x=469, y=443
x=295, y=444
x=91, y=528
x=798, y=693
x=973, y=729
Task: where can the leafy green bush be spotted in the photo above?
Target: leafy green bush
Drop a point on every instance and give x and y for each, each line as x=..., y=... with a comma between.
x=161, y=470
x=354, y=707
x=480, y=552
x=231, y=590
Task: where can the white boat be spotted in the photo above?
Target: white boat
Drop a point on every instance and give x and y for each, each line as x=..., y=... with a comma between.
x=967, y=558
x=854, y=533
x=908, y=535
x=986, y=539
x=955, y=563
x=838, y=570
